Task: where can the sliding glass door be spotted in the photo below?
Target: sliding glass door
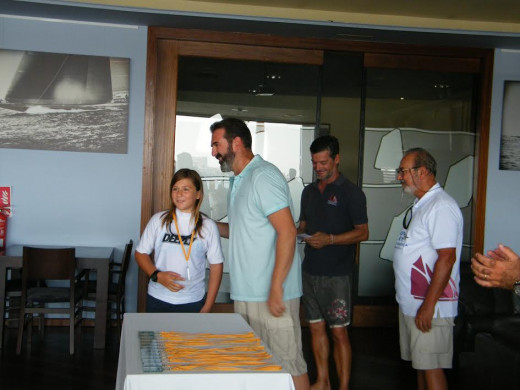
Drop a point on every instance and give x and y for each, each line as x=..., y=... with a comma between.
x=289, y=91
x=409, y=107
x=277, y=101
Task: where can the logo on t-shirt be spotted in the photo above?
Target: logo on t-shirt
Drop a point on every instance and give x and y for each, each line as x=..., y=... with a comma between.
x=421, y=277
x=174, y=238
x=401, y=240
x=333, y=201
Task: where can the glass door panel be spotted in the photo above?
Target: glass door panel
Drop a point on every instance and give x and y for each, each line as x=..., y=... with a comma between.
x=340, y=110
x=405, y=109
x=277, y=101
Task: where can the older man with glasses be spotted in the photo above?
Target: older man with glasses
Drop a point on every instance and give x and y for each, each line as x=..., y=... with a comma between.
x=426, y=266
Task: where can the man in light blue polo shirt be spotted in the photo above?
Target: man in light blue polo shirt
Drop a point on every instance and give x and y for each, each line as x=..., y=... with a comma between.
x=264, y=266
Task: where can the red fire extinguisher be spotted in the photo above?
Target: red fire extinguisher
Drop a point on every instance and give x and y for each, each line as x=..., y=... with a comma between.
x=3, y=230
x=5, y=211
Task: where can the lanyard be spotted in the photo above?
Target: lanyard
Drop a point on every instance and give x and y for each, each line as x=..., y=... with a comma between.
x=186, y=256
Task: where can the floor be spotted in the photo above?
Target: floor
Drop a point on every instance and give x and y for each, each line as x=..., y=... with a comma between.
x=376, y=363
x=48, y=365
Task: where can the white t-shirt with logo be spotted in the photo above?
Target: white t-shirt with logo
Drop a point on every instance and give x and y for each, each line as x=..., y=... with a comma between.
x=169, y=256
x=436, y=223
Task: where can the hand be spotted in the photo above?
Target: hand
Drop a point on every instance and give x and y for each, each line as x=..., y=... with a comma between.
x=500, y=268
x=168, y=279
x=275, y=302
x=205, y=309
x=318, y=240
x=423, y=318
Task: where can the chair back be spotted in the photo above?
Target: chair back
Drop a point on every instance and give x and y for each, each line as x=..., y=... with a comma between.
x=48, y=264
x=42, y=264
x=125, y=262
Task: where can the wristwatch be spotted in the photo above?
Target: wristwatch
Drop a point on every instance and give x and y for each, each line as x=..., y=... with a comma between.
x=516, y=288
x=153, y=276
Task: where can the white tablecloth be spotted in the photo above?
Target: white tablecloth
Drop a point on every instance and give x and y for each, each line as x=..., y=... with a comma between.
x=130, y=375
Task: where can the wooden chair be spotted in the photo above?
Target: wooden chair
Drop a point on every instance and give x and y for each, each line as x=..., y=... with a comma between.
x=13, y=294
x=13, y=297
x=116, y=287
x=39, y=266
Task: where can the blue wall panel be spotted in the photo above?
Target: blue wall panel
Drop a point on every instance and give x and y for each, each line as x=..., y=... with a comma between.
x=72, y=198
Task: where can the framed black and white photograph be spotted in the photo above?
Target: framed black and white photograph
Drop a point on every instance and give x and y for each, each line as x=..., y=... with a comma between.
x=65, y=102
x=510, y=139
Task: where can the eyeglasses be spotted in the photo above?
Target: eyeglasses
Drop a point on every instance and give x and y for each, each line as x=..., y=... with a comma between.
x=401, y=171
x=408, y=217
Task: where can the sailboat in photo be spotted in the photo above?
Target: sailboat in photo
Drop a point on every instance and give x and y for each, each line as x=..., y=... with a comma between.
x=61, y=81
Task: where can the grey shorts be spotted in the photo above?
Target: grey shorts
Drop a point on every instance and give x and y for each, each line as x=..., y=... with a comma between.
x=327, y=298
x=282, y=335
x=430, y=350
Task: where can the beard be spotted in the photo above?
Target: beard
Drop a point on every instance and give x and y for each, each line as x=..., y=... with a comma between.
x=324, y=175
x=225, y=166
x=409, y=190
x=226, y=161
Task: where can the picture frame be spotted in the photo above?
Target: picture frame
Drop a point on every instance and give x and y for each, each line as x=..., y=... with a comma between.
x=64, y=102
x=510, y=131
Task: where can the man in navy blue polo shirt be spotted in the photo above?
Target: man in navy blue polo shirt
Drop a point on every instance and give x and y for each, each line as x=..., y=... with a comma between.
x=334, y=214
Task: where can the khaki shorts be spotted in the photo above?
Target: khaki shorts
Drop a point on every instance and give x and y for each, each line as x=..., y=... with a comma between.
x=430, y=350
x=282, y=335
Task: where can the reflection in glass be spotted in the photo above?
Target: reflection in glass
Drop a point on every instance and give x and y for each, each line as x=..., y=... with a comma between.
x=279, y=143
x=405, y=109
x=278, y=101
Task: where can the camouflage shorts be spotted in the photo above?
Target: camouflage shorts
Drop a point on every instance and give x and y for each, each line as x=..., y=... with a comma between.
x=327, y=298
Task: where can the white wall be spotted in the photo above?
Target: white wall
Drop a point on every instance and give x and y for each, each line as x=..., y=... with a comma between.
x=503, y=189
x=71, y=198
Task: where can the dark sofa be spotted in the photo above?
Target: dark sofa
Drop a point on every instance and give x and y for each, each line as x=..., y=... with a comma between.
x=487, y=337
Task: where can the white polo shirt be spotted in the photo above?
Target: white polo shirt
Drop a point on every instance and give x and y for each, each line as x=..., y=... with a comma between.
x=436, y=224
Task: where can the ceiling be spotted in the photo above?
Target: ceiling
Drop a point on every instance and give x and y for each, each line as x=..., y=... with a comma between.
x=465, y=23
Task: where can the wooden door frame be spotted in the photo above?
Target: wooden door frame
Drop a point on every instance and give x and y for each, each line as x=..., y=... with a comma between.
x=166, y=44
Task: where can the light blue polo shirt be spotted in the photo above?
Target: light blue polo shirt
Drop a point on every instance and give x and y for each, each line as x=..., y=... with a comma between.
x=258, y=191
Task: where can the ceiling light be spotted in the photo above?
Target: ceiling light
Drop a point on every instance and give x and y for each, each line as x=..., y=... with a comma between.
x=262, y=91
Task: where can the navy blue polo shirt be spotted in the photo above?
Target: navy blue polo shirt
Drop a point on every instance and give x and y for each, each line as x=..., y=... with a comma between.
x=341, y=206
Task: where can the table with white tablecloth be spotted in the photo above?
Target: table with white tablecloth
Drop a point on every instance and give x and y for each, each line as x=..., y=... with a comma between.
x=130, y=373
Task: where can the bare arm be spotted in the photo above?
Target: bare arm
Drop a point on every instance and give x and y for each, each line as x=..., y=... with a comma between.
x=320, y=239
x=166, y=278
x=302, y=227
x=501, y=268
x=440, y=279
x=144, y=261
x=223, y=229
x=215, y=277
x=285, y=245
